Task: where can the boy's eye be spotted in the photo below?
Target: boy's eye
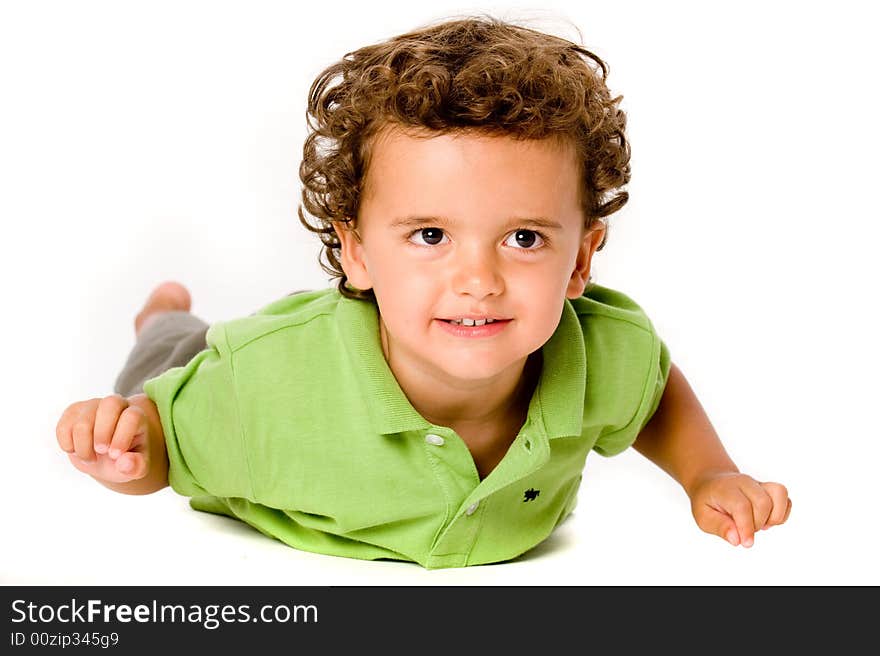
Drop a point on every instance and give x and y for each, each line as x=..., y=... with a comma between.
x=432, y=236
x=523, y=239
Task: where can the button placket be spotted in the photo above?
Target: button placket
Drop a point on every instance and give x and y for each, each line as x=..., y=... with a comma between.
x=456, y=456
x=453, y=465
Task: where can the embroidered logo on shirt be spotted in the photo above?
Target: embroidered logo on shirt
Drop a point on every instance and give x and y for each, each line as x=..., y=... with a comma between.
x=531, y=494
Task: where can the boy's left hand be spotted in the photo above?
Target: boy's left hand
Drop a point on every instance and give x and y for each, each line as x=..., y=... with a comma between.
x=735, y=506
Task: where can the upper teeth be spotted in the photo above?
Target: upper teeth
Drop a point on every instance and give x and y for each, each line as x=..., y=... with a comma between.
x=472, y=322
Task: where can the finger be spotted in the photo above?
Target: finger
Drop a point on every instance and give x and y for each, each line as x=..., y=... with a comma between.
x=131, y=423
x=109, y=409
x=131, y=465
x=83, y=430
x=741, y=511
x=781, y=503
x=717, y=523
x=106, y=470
x=762, y=503
x=64, y=428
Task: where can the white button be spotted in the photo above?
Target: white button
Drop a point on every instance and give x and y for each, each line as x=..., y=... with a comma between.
x=436, y=440
x=471, y=508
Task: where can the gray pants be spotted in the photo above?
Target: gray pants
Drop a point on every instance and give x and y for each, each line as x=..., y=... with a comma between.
x=170, y=340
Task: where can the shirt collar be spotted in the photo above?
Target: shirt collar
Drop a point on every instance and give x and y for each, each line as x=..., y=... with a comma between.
x=557, y=404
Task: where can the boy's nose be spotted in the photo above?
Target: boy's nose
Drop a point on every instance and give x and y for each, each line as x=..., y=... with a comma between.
x=477, y=274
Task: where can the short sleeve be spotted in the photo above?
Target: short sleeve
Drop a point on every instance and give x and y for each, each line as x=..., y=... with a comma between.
x=199, y=409
x=611, y=444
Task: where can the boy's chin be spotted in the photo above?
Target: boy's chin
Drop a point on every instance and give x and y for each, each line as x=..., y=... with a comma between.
x=470, y=368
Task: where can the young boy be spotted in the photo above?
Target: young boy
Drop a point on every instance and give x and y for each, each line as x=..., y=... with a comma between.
x=438, y=404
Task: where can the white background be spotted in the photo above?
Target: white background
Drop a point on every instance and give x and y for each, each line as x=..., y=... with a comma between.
x=142, y=142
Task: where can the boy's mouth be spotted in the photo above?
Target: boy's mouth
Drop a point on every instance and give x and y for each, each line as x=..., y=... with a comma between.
x=473, y=322
x=474, y=328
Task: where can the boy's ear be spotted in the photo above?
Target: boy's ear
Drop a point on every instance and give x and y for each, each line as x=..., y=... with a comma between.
x=581, y=274
x=352, y=256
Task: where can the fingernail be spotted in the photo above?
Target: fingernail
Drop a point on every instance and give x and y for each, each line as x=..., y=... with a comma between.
x=125, y=466
x=731, y=537
x=748, y=542
x=100, y=448
x=114, y=453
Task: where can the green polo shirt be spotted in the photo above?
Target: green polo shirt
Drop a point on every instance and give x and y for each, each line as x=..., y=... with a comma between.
x=291, y=421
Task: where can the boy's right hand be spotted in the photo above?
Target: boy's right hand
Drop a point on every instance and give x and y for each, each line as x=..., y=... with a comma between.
x=106, y=438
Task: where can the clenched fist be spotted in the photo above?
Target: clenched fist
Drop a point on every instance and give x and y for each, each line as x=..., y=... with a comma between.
x=113, y=439
x=735, y=506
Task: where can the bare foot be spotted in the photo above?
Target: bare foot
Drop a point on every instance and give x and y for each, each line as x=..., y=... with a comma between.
x=164, y=298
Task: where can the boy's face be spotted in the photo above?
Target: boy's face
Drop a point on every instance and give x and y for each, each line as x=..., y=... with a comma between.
x=476, y=251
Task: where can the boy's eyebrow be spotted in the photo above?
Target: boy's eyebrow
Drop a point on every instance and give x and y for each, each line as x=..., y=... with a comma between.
x=413, y=221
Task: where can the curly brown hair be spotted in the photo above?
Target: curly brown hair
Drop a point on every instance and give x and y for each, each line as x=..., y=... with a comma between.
x=474, y=74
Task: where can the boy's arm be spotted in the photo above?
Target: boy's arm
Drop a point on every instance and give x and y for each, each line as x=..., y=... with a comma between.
x=680, y=439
